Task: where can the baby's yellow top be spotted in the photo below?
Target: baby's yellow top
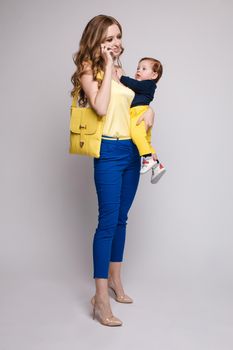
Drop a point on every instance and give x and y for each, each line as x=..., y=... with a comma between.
x=117, y=121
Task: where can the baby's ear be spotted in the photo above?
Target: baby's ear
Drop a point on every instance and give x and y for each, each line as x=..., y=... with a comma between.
x=155, y=75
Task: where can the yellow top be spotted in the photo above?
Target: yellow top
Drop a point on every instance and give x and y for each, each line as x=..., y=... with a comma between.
x=117, y=121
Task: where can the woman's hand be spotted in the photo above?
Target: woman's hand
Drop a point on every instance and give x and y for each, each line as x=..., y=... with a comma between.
x=106, y=53
x=148, y=117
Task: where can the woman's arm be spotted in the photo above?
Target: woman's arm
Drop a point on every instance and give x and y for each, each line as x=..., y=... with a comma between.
x=148, y=117
x=98, y=97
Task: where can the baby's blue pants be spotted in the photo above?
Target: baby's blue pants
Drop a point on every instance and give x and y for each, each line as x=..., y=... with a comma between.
x=116, y=175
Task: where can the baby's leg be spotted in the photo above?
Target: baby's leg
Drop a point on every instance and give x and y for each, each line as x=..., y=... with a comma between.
x=148, y=137
x=142, y=139
x=139, y=137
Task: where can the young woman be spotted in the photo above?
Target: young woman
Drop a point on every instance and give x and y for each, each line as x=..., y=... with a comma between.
x=117, y=171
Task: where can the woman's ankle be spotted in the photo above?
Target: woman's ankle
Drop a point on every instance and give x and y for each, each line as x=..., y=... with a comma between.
x=102, y=297
x=115, y=279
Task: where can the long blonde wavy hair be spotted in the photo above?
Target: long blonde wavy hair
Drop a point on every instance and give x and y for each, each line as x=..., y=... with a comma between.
x=89, y=52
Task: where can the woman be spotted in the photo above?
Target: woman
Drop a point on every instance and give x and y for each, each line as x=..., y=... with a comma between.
x=116, y=172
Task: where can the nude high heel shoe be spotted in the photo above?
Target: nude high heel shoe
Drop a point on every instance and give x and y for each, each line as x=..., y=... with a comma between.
x=120, y=298
x=111, y=321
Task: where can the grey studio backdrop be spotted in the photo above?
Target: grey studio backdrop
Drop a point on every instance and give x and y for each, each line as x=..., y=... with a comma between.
x=178, y=253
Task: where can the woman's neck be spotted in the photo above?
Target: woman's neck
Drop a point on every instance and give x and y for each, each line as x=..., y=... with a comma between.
x=114, y=73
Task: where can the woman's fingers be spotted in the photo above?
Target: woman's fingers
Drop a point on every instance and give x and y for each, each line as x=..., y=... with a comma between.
x=139, y=120
x=106, y=52
x=147, y=121
x=147, y=126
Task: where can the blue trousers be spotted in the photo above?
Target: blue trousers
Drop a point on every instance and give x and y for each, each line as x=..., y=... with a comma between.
x=116, y=175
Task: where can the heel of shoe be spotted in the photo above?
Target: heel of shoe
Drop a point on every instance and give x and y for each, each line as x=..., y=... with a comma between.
x=93, y=307
x=121, y=299
x=112, y=288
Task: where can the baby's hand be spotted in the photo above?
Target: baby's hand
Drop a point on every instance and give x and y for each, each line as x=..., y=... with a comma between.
x=119, y=71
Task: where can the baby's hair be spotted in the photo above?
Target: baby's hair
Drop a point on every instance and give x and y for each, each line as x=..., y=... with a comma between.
x=156, y=67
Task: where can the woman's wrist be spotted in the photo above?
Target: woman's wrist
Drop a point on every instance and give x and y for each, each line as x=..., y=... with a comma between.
x=109, y=66
x=108, y=72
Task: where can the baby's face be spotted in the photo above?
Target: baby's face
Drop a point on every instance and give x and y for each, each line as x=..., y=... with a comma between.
x=144, y=71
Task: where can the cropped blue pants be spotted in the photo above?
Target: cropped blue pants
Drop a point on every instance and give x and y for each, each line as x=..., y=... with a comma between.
x=116, y=175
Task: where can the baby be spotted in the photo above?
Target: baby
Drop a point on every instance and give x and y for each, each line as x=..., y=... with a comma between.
x=148, y=73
